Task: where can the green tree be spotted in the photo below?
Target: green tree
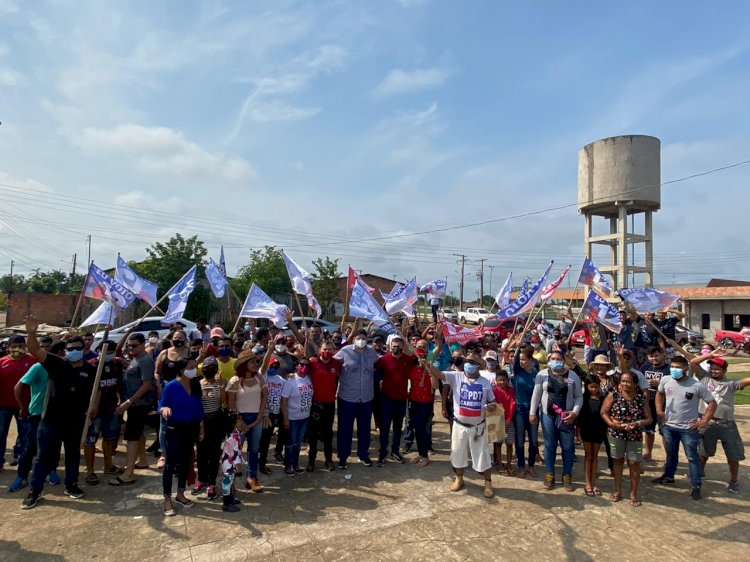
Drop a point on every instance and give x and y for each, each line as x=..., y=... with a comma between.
x=168, y=262
x=325, y=284
x=15, y=285
x=266, y=269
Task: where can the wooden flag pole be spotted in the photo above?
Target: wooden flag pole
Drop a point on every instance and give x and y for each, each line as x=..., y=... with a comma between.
x=346, y=301
x=573, y=327
x=573, y=298
x=299, y=305
x=80, y=298
x=94, y=390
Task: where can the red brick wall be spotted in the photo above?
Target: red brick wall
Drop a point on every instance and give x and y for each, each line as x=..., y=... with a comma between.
x=50, y=309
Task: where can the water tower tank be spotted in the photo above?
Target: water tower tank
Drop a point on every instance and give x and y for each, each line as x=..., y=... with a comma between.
x=619, y=177
x=619, y=169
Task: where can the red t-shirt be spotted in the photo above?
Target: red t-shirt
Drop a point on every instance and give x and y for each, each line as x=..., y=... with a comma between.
x=421, y=385
x=11, y=372
x=395, y=371
x=507, y=398
x=325, y=379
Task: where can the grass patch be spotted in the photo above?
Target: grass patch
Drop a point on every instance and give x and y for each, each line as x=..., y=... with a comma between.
x=737, y=360
x=743, y=396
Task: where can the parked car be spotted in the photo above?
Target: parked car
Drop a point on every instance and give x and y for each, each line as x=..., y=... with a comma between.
x=449, y=314
x=578, y=338
x=323, y=324
x=474, y=316
x=729, y=339
x=149, y=324
x=682, y=334
x=500, y=326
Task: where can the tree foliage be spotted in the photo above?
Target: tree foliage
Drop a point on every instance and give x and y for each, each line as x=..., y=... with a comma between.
x=266, y=269
x=46, y=282
x=325, y=284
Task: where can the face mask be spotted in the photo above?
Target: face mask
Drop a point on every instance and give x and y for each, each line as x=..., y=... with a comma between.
x=492, y=364
x=676, y=372
x=556, y=336
x=536, y=345
x=272, y=371
x=317, y=337
x=225, y=352
x=109, y=357
x=396, y=351
x=302, y=370
x=247, y=327
x=470, y=369
x=458, y=362
x=178, y=343
x=360, y=343
x=280, y=348
x=210, y=372
x=326, y=355
x=194, y=354
x=74, y=355
x=17, y=353
x=153, y=341
x=190, y=373
x=556, y=364
x=705, y=352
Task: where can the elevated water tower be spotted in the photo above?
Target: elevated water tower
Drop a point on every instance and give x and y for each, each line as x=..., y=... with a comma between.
x=620, y=177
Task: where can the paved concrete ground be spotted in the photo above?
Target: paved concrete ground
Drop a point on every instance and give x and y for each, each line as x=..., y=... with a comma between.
x=394, y=512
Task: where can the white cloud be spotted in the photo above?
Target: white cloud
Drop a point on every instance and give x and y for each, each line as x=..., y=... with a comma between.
x=404, y=82
x=8, y=7
x=164, y=150
x=10, y=78
x=279, y=111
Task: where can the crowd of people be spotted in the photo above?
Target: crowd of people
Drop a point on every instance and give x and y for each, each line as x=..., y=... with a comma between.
x=215, y=401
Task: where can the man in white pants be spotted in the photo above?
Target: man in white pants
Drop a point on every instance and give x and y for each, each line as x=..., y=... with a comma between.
x=472, y=398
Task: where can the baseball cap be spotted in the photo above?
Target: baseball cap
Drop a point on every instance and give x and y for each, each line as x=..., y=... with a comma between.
x=210, y=360
x=217, y=332
x=16, y=339
x=492, y=355
x=719, y=362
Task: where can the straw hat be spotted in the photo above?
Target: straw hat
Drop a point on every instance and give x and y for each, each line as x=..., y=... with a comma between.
x=243, y=358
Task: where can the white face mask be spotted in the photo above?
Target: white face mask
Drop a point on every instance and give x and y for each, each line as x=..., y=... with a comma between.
x=280, y=348
x=190, y=373
x=153, y=341
x=360, y=343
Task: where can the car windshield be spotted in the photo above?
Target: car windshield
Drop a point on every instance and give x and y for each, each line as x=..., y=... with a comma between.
x=447, y=311
x=482, y=311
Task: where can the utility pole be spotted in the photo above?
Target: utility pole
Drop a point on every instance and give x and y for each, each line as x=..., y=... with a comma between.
x=12, y=263
x=492, y=268
x=461, y=283
x=481, y=280
x=74, y=264
x=88, y=260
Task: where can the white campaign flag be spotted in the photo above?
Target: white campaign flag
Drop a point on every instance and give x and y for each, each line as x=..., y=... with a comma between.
x=178, y=297
x=403, y=299
x=363, y=305
x=437, y=288
x=503, y=295
x=104, y=314
x=216, y=279
x=301, y=279
x=259, y=305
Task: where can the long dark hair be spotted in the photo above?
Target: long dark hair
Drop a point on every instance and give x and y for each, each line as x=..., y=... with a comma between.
x=590, y=379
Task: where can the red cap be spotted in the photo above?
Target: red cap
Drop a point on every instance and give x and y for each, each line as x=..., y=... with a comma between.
x=719, y=362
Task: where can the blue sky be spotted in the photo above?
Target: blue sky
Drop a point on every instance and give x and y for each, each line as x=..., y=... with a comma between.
x=321, y=126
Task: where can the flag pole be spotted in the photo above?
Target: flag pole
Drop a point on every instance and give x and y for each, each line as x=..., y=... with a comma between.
x=80, y=298
x=299, y=305
x=94, y=390
x=150, y=310
x=346, y=301
x=573, y=327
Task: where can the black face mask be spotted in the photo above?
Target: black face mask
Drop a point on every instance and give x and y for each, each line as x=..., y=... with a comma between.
x=194, y=354
x=458, y=362
x=178, y=343
x=397, y=351
x=210, y=372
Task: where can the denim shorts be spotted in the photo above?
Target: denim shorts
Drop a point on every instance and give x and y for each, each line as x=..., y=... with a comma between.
x=107, y=424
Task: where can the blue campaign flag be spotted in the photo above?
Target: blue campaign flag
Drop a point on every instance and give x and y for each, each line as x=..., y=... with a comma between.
x=525, y=285
x=402, y=299
x=222, y=263
x=363, y=305
x=216, y=279
x=526, y=299
x=99, y=285
x=259, y=305
x=503, y=295
x=648, y=300
x=437, y=288
x=591, y=276
x=145, y=289
x=598, y=309
x=178, y=297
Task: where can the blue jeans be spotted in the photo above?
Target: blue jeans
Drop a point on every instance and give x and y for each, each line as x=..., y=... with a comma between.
x=690, y=438
x=253, y=443
x=295, y=436
x=29, y=450
x=409, y=433
x=6, y=415
x=391, y=412
x=553, y=436
x=523, y=428
x=419, y=413
x=348, y=412
x=50, y=437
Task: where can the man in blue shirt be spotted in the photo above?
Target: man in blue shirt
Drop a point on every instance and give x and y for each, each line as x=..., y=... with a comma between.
x=356, y=393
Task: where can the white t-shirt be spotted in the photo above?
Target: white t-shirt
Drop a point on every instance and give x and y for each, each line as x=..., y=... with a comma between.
x=642, y=382
x=275, y=386
x=299, y=392
x=435, y=301
x=470, y=396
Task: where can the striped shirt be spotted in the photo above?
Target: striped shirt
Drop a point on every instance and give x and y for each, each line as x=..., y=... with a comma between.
x=210, y=396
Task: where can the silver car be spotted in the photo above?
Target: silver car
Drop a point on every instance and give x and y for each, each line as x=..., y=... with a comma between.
x=149, y=324
x=449, y=314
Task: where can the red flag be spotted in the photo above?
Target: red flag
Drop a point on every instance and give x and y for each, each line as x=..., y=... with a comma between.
x=550, y=289
x=353, y=278
x=453, y=333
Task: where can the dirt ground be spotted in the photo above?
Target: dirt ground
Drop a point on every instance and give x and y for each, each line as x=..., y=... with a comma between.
x=393, y=512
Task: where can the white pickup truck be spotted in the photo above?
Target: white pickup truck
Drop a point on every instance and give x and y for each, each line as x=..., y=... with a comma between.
x=474, y=316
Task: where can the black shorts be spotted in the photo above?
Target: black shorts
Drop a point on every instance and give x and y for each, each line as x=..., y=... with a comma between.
x=135, y=422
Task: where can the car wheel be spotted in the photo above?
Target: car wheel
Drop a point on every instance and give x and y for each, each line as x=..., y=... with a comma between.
x=726, y=343
x=480, y=323
x=463, y=320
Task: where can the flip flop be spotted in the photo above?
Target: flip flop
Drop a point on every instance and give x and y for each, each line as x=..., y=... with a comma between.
x=92, y=479
x=614, y=498
x=597, y=492
x=635, y=502
x=140, y=467
x=117, y=481
x=589, y=492
x=114, y=469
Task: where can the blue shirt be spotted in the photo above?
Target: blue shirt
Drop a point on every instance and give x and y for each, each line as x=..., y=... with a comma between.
x=36, y=378
x=523, y=383
x=185, y=407
x=356, y=383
